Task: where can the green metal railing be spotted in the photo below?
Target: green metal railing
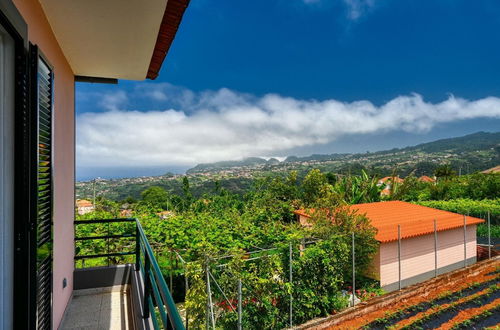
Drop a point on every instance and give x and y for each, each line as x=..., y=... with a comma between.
x=157, y=300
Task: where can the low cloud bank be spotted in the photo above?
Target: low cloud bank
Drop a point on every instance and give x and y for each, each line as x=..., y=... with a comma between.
x=224, y=124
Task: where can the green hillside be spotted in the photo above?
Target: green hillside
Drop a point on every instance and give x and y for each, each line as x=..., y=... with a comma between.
x=465, y=155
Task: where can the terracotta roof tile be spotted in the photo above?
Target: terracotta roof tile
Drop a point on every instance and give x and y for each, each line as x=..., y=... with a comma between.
x=495, y=169
x=415, y=220
x=425, y=178
x=83, y=203
x=390, y=179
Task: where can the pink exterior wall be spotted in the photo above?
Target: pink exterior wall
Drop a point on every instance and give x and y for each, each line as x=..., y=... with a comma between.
x=40, y=34
x=304, y=221
x=417, y=254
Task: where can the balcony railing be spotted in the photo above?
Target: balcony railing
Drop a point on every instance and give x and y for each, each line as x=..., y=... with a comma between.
x=155, y=300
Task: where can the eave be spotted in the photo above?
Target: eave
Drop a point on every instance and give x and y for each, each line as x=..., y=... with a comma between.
x=114, y=38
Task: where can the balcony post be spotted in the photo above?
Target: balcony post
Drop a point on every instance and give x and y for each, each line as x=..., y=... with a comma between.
x=137, y=248
x=147, y=285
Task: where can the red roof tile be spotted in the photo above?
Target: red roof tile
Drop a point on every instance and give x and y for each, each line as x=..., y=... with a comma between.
x=425, y=178
x=415, y=220
x=83, y=203
x=390, y=179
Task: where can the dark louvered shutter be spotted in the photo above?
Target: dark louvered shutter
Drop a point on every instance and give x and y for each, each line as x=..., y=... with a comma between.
x=44, y=198
x=23, y=302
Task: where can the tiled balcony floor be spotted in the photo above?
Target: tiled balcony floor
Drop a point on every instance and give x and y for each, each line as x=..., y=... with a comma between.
x=101, y=308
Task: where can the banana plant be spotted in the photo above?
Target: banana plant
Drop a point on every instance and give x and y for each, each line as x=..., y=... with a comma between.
x=356, y=189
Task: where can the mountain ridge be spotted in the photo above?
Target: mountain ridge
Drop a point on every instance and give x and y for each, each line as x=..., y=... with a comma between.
x=474, y=141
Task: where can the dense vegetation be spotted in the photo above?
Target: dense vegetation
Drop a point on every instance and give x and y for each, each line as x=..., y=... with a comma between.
x=240, y=228
x=202, y=230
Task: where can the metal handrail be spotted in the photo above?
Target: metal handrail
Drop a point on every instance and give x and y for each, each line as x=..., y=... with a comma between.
x=157, y=297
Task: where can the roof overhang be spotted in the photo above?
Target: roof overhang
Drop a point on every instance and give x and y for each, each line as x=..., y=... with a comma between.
x=114, y=38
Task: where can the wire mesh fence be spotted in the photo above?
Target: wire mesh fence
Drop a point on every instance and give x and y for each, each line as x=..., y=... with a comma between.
x=268, y=287
x=272, y=287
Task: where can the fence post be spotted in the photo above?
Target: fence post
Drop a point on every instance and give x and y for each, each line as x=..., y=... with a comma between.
x=353, y=271
x=207, y=318
x=489, y=236
x=185, y=297
x=291, y=281
x=240, y=297
x=435, y=249
x=147, y=285
x=212, y=317
x=171, y=257
x=399, y=256
x=465, y=241
x=107, y=244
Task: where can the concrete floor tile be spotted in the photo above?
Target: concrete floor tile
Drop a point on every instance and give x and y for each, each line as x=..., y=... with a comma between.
x=104, y=308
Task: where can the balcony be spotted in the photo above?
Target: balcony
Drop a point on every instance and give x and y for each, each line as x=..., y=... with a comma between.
x=116, y=289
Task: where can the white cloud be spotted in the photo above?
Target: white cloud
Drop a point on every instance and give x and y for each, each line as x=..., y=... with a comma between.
x=166, y=92
x=113, y=101
x=224, y=124
x=355, y=8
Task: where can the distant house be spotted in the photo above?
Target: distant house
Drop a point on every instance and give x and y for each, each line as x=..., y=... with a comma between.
x=389, y=179
x=127, y=213
x=84, y=206
x=417, y=241
x=495, y=169
x=386, y=191
x=165, y=214
x=387, y=182
x=425, y=178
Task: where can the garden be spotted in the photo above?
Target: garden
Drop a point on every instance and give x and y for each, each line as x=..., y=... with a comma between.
x=234, y=260
x=471, y=304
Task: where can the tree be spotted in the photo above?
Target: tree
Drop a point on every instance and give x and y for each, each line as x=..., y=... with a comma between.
x=156, y=196
x=331, y=177
x=313, y=185
x=444, y=171
x=186, y=189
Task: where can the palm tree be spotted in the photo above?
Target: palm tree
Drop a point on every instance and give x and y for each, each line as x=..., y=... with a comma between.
x=444, y=171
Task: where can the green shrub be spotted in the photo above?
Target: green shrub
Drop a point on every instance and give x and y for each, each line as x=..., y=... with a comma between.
x=482, y=230
x=476, y=208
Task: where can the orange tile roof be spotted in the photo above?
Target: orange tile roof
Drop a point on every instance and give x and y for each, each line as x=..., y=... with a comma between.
x=415, y=220
x=425, y=178
x=83, y=203
x=390, y=179
x=495, y=169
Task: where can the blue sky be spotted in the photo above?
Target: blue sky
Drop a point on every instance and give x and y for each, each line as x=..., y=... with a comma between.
x=280, y=77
